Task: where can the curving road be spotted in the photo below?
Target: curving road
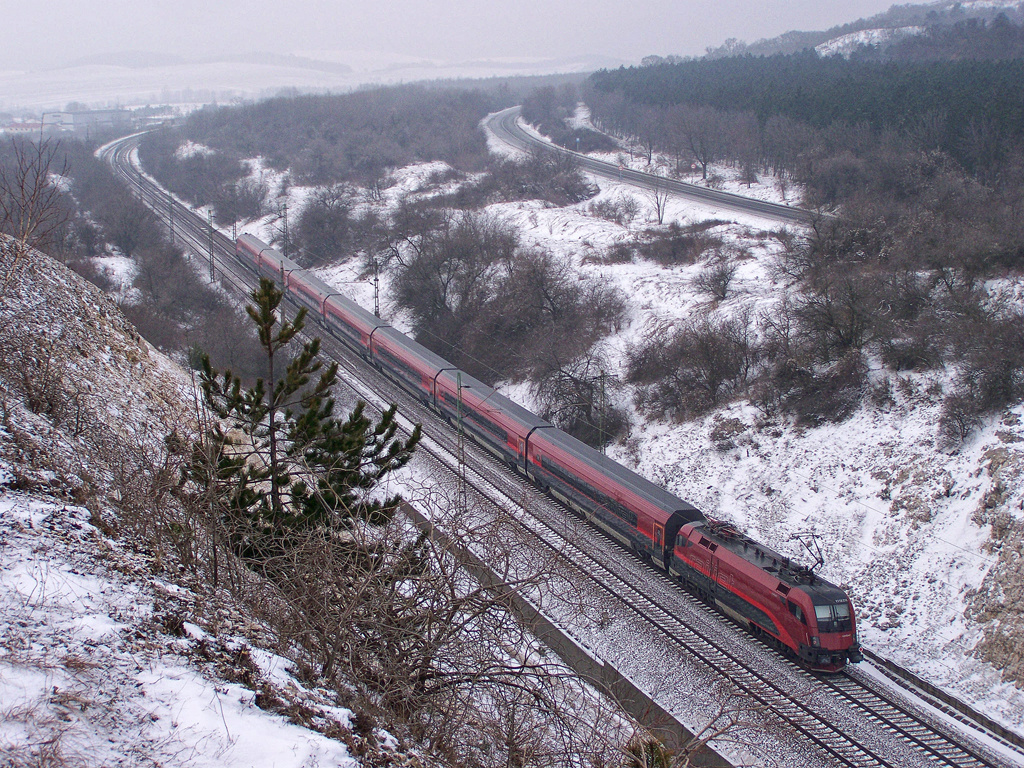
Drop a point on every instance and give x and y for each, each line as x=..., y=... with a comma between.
x=506, y=127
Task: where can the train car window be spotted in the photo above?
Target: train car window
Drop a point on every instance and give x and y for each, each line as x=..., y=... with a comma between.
x=797, y=611
x=705, y=542
x=625, y=514
x=833, y=618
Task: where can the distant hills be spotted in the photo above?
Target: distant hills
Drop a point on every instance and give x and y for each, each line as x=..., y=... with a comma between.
x=136, y=78
x=898, y=23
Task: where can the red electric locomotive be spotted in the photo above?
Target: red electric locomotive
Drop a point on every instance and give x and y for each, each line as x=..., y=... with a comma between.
x=785, y=604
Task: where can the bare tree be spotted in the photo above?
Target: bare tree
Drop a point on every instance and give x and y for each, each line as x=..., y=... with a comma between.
x=703, y=128
x=658, y=197
x=574, y=395
x=30, y=203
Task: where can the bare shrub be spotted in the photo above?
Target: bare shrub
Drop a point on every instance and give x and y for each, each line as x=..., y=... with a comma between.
x=831, y=395
x=961, y=414
x=658, y=196
x=678, y=244
x=87, y=269
x=621, y=210
x=326, y=228
x=397, y=616
x=993, y=360
x=30, y=203
x=49, y=737
x=575, y=396
x=128, y=224
x=35, y=363
x=155, y=327
x=617, y=253
x=491, y=307
x=716, y=278
x=685, y=373
x=555, y=177
x=837, y=316
x=245, y=199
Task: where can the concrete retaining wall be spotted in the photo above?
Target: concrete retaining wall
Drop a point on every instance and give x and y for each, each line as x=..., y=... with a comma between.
x=633, y=700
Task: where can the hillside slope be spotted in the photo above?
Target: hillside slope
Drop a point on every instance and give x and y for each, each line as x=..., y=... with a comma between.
x=111, y=652
x=897, y=23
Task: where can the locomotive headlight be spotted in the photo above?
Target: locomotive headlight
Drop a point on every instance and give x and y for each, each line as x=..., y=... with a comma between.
x=815, y=641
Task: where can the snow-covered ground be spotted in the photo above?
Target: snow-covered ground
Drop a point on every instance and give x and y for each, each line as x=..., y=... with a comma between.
x=726, y=178
x=97, y=667
x=901, y=520
x=905, y=524
x=109, y=655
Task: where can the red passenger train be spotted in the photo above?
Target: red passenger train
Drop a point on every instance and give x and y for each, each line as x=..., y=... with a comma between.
x=788, y=606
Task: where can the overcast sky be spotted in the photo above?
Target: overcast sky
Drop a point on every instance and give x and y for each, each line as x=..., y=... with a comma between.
x=52, y=32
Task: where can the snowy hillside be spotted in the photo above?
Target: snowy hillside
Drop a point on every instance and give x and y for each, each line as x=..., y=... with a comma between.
x=110, y=652
x=899, y=21
x=844, y=45
x=926, y=540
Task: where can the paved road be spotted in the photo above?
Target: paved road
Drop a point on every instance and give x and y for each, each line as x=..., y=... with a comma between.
x=505, y=125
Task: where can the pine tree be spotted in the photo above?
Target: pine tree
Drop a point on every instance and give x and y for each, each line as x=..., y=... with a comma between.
x=282, y=464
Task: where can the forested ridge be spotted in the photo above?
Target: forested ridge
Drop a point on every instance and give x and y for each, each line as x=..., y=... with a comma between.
x=962, y=97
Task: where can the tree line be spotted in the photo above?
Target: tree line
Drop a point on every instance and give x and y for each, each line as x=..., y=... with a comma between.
x=961, y=98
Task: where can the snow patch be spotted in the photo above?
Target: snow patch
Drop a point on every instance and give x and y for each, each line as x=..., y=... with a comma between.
x=189, y=149
x=844, y=45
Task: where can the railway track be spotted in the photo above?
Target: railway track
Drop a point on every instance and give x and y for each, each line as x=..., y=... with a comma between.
x=904, y=735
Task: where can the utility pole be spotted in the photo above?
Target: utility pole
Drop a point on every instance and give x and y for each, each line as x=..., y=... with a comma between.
x=463, y=498
x=287, y=239
x=234, y=213
x=213, y=275
x=376, y=289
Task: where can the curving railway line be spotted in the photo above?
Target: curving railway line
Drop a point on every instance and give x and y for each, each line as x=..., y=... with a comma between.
x=849, y=719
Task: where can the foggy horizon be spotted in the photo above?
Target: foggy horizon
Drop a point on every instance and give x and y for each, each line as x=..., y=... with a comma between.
x=63, y=32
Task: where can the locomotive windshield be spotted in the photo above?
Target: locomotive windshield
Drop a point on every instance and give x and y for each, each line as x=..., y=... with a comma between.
x=833, y=618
